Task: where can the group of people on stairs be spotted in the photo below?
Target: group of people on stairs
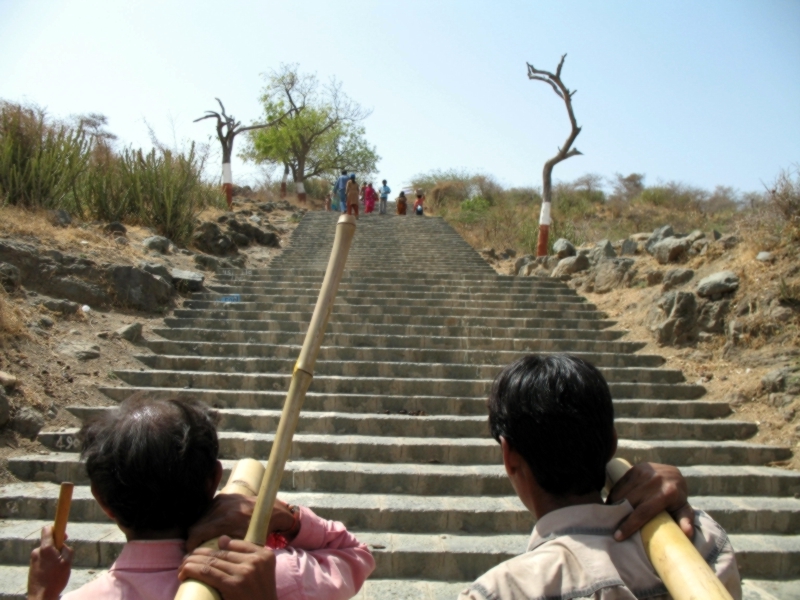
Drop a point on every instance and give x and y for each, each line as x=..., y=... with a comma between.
x=347, y=196
x=154, y=469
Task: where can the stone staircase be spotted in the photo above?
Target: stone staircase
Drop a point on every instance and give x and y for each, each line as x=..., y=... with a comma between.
x=421, y=323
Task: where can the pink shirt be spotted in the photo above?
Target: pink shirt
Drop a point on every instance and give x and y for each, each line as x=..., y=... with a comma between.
x=325, y=561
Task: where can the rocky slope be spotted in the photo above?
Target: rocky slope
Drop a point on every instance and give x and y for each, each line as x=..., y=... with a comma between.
x=721, y=308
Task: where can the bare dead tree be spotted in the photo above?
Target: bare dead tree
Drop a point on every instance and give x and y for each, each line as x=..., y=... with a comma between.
x=564, y=152
x=227, y=129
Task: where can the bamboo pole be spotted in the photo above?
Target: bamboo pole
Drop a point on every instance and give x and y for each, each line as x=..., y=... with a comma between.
x=245, y=479
x=62, y=514
x=680, y=566
x=301, y=379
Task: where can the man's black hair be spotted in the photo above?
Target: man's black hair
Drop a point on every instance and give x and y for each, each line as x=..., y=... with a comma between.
x=556, y=412
x=384, y=182
x=344, y=171
x=151, y=461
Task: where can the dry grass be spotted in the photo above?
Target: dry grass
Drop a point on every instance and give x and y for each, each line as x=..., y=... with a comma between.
x=12, y=323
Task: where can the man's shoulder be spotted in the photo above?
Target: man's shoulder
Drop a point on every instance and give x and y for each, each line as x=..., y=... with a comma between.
x=551, y=570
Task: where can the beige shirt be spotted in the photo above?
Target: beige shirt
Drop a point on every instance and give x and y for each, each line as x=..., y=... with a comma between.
x=572, y=554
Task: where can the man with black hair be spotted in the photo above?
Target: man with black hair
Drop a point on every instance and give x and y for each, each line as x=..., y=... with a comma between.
x=554, y=420
x=153, y=469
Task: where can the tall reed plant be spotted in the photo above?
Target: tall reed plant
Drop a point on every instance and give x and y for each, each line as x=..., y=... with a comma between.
x=41, y=161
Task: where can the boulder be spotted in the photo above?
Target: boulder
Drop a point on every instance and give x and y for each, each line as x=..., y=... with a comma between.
x=240, y=239
x=5, y=409
x=208, y=238
x=132, y=332
x=187, y=281
x=563, y=248
x=266, y=238
x=717, y=284
x=654, y=277
x=529, y=269
x=138, y=289
x=115, y=228
x=699, y=247
x=711, y=318
x=27, y=422
x=571, y=265
x=59, y=218
x=521, y=262
x=612, y=273
x=657, y=236
x=211, y=263
x=715, y=235
x=728, y=241
x=775, y=380
x=695, y=236
x=629, y=247
x=155, y=269
x=64, y=307
x=10, y=277
x=680, y=324
x=8, y=381
x=79, y=350
x=157, y=243
x=765, y=257
x=669, y=249
x=551, y=262
x=46, y=322
x=601, y=251
x=675, y=277
x=120, y=240
x=510, y=252
x=640, y=237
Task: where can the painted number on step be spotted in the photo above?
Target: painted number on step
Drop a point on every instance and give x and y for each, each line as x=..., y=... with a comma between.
x=67, y=442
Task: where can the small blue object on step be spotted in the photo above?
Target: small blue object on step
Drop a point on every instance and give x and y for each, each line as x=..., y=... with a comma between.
x=231, y=298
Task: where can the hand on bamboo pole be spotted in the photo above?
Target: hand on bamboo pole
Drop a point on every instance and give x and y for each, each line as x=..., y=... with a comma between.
x=680, y=566
x=651, y=488
x=51, y=562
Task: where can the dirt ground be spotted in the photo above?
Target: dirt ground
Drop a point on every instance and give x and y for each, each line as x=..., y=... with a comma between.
x=50, y=382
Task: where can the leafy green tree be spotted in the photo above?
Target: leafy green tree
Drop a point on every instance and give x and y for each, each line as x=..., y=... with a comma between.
x=323, y=134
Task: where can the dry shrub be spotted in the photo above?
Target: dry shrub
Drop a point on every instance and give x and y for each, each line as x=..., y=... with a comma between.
x=11, y=319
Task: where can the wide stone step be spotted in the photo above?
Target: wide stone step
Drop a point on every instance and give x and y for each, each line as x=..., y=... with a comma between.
x=382, y=385
x=389, y=315
x=538, y=297
x=520, y=286
x=591, y=332
x=433, y=405
x=431, y=479
x=256, y=352
x=412, y=514
x=379, y=290
x=271, y=277
x=458, y=451
x=200, y=318
x=394, y=369
x=561, y=341
x=266, y=421
x=455, y=557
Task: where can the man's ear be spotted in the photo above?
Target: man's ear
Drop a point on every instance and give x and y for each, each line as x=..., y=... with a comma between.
x=102, y=504
x=214, y=482
x=511, y=458
x=614, y=445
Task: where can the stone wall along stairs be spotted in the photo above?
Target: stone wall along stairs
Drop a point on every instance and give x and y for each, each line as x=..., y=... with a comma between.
x=393, y=438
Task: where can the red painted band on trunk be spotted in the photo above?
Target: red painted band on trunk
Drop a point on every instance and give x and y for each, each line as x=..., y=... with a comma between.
x=541, y=247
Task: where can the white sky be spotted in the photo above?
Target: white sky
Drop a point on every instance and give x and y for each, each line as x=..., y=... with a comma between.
x=702, y=92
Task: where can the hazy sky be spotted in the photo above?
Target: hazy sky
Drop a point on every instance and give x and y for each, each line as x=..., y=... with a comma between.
x=705, y=92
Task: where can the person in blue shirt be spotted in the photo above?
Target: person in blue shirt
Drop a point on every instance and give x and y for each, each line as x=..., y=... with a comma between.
x=383, y=192
x=339, y=188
